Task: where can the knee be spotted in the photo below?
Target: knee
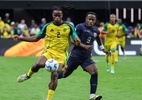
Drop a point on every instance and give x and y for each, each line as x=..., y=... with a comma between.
x=95, y=71
x=37, y=66
x=40, y=64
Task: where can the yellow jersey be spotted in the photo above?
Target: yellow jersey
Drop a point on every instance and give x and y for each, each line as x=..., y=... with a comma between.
x=110, y=37
x=57, y=37
x=121, y=31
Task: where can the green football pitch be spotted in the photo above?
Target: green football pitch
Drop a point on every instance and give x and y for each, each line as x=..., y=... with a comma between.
x=125, y=84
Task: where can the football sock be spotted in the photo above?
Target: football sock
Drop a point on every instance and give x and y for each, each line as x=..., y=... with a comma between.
x=50, y=94
x=107, y=59
x=60, y=75
x=30, y=72
x=93, y=83
x=113, y=59
x=124, y=53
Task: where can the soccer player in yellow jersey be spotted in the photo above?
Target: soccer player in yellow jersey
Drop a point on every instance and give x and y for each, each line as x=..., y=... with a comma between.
x=57, y=35
x=122, y=32
x=110, y=29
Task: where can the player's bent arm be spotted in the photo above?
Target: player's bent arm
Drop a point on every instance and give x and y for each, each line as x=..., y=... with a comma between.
x=104, y=32
x=28, y=39
x=99, y=41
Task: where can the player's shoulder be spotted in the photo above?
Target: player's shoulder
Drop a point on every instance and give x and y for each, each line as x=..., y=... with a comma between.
x=68, y=24
x=80, y=25
x=96, y=30
x=47, y=24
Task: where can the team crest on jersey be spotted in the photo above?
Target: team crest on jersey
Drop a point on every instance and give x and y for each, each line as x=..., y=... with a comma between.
x=95, y=34
x=64, y=29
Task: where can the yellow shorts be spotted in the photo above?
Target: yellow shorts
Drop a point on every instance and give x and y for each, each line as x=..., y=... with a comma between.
x=60, y=57
x=111, y=47
x=121, y=43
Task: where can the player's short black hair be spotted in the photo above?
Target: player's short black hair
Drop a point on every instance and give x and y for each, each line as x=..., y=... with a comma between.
x=64, y=8
x=56, y=8
x=91, y=12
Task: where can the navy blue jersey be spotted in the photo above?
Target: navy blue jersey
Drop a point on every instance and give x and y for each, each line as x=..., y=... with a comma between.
x=87, y=36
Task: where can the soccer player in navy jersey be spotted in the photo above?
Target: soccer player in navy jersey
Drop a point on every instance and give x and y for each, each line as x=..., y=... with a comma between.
x=81, y=55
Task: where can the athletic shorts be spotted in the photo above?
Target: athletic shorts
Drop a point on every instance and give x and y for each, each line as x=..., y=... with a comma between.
x=60, y=57
x=111, y=47
x=73, y=63
x=122, y=43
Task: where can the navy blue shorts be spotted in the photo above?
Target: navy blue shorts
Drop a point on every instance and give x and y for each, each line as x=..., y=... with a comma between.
x=73, y=63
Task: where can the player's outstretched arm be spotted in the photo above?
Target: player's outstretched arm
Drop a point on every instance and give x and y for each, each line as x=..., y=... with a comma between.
x=99, y=41
x=28, y=39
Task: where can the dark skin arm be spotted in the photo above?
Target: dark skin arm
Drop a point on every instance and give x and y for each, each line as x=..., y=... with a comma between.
x=87, y=47
x=99, y=41
x=27, y=39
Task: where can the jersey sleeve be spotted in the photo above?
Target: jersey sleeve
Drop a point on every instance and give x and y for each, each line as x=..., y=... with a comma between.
x=105, y=27
x=42, y=33
x=73, y=32
x=124, y=28
x=140, y=27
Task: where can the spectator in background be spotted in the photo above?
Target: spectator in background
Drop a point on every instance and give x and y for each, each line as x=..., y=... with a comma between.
x=136, y=30
x=35, y=30
x=130, y=32
x=43, y=22
x=5, y=33
x=102, y=36
x=14, y=29
x=69, y=21
x=26, y=31
x=1, y=24
x=140, y=36
x=7, y=18
x=22, y=24
x=32, y=24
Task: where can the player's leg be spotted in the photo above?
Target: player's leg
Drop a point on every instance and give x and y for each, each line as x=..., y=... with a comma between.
x=113, y=48
x=123, y=49
x=39, y=64
x=89, y=66
x=107, y=57
x=53, y=82
x=116, y=54
x=72, y=64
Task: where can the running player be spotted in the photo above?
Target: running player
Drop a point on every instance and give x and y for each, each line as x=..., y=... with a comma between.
x=122, y=32
x=110, y=29
x=56, y=46
x=140, y=36
x=81, y=55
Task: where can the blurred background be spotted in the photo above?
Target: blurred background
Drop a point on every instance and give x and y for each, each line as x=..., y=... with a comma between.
x=27, y=17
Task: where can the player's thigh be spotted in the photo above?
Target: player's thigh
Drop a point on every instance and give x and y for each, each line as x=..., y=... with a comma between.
x=107, y=47
x=113, y=47
x=89, y=66
x=72, y=64
x=41, y=61
x=123, y=44
x=61, y=58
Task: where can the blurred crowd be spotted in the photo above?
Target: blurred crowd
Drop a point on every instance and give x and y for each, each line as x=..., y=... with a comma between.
x=8, y=28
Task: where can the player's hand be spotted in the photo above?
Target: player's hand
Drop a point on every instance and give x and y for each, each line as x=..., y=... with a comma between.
x=88, y=47
x=77, y=41
x=16, y=37
x=107, y=52
x=118, y=36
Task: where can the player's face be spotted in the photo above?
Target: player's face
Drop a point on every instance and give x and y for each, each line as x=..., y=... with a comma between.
x=90, y=20
x=112, y=18
x=57, y=16
x=119, y=21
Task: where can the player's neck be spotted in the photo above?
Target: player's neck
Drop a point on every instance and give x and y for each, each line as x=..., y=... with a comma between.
x=58, y=24
x=112, y=23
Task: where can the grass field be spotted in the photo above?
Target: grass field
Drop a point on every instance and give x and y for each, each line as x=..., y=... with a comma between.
x=125, y=84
